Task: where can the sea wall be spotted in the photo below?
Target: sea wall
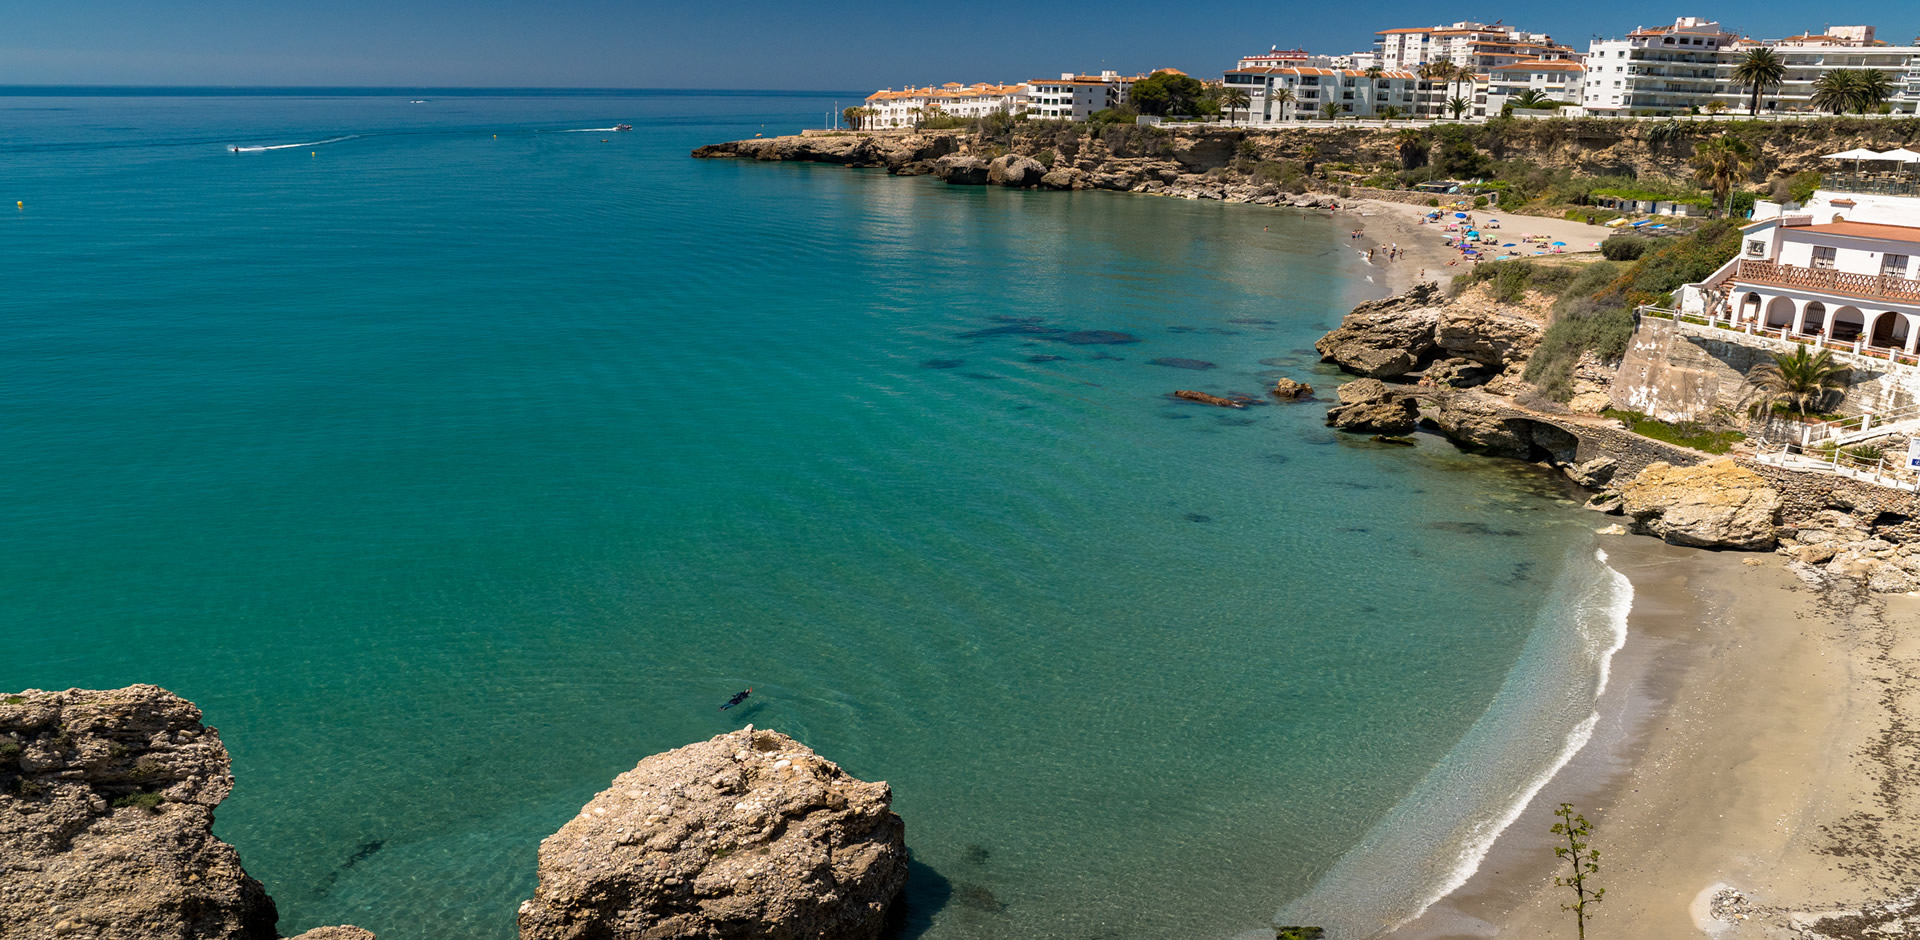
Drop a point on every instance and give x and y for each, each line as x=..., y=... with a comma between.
x=1681, y=372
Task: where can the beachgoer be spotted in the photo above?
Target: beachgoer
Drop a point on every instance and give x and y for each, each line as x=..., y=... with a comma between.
x=737, y=698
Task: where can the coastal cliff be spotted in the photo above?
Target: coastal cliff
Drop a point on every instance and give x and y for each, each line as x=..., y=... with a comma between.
x=106, y=815
x=1264, y=165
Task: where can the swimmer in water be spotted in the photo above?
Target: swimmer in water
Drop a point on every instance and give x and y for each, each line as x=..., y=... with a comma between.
x=737, y=698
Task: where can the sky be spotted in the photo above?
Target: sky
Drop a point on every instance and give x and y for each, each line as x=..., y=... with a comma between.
x=754, y=44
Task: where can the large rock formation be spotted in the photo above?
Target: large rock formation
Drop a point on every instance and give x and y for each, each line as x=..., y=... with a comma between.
x=106, y=817
x=1015, y=170
x=893, y=151
x=1492, y=427
x=1383, y=339
x=1716, y=504
x=1478, y=329
x=747, y=835
x=1368, y=406
x=962, y=170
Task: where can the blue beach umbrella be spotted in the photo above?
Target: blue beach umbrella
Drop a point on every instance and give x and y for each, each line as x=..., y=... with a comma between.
x=1459, y=215
x=1559, y=244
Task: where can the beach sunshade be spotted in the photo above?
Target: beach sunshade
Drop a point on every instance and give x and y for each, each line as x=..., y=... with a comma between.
x=1903, y=155
x=1857, y=153
x=1641, y=222
x=1459, y=215
x=1559, y=244
x=1507, y=245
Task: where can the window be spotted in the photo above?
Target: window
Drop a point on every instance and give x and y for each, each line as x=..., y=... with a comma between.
x=1893, y=266
x=1823, y=257
x=1756, y=248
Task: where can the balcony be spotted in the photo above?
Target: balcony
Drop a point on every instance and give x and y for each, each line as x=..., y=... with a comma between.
x=1882, y=286
x=1870, y=183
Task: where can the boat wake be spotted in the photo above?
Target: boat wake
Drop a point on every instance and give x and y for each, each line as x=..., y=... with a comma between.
x=1544, y=715
x=256, y=148
x=589, y=130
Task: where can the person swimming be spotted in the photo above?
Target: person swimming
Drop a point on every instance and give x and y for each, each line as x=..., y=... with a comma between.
x=737, y=698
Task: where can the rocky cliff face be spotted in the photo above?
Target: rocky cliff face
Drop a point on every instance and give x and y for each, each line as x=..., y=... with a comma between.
x=1388, y=338
x=106, y=816
x=747, y=835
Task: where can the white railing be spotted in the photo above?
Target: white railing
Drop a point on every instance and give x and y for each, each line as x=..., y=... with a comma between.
x=1841, y=348
x=1854, y=428
x=1887, y=470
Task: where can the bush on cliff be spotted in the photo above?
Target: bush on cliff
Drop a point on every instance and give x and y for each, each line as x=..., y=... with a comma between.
x=1624, y=247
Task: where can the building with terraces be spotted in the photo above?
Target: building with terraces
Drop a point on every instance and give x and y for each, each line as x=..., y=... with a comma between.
x=1285, y=95
x=1675, y=69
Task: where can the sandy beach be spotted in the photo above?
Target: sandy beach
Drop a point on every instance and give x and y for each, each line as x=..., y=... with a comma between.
x=1424, y=252
x=1755, y=738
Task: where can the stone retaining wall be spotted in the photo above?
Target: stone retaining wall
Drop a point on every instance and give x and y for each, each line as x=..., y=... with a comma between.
x=1894, y=514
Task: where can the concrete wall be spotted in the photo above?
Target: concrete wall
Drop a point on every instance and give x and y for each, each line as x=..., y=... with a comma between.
x=1674, y=374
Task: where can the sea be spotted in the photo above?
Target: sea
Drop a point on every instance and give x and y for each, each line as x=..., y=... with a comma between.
x=454, y=451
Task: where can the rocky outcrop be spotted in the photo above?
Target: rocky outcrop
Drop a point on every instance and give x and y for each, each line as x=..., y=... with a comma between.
x=1368, y=406
x=1493, y=427
x=1384, y=339
x=1015, y=170
x=1716, y=504
x=1063, y=177
x=1289, y=390
x=893, y=151
x=961, y=170
x=106, y=819
x=1832, y=547
x=747, y=835
x=1477, y=330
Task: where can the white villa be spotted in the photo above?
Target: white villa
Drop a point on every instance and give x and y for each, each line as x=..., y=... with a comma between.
x=1841, y=271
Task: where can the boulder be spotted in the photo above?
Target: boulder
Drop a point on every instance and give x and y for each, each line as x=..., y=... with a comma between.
x=1483, y=424
x=960, y=170
x=746, y=835
x=1063, y=177
x=1289, y=390
x=1458, y=373
x=1368, y=406
x=1594, y=473
x=106, y=821
x=335, y=933
x=1481, y=334
x=1716, y=504
x=1015, y=170
x=1382, y=339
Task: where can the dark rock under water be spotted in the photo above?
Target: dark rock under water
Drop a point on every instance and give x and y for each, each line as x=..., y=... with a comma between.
x=943, y=363
x=1173, y=363
x=1097, y=338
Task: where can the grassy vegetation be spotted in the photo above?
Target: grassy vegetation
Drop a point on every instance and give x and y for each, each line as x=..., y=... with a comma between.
x=147, y=801
x=1594, y=303
x=9, y=750
x=1696, y=436
x=16, y=700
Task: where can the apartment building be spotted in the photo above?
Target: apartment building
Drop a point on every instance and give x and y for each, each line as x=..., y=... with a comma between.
x=1674, y=69
x=1352, y=91
x=1074, y=97
x=1559, y=80
x=909, y=106
x=1475, y=45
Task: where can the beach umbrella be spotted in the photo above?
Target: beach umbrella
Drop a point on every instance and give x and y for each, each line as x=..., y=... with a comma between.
x=1902, y=155
x=1459, y=215
x=1857, y=153
x=1559, y=244
x=1641, y=222
x=1507, y=245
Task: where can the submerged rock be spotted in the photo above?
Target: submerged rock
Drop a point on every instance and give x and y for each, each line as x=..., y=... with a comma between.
x=1206, y=399
x=1289, y=390
x=1716, y=504
x=106, y=821
x=1368, y=406
x=746, y=835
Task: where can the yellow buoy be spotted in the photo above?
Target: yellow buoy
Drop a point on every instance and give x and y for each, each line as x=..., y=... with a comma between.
x=20, y=203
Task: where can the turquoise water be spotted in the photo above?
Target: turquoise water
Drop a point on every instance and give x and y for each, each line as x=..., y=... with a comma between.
x=455, y=466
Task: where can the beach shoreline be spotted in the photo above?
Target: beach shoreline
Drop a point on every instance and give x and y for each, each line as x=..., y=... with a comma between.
x=1714, y=768
x=1424, y=254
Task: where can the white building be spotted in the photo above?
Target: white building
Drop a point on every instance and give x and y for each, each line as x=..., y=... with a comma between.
x=1558, y=80
x=1842, y=271
x=1350, y=90
x=1674, y=69
x=1475, y=45
x=1276, y=58
x=909, y=106
x=1074, y=97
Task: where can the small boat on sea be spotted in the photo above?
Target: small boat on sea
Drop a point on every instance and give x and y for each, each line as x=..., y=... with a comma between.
x=623, y=127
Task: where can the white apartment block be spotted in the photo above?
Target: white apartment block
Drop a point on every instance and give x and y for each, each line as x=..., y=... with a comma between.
x=1476, y=45
x=1690, y=64
x=909, y=106
x=1074, y=97
x=1350, y=90
x=1559, y=80
x=1276, y=58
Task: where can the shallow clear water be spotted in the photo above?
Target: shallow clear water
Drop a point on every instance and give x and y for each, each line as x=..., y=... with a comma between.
x=452, y=473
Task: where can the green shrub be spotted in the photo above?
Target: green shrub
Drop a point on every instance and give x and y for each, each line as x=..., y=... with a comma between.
x=1433, y=202
x=147, y=801
x=9, y=750
x=1867, y=452
x=1624, y=247
x=1479, y=202
x=1299, y=933
x=1046, y=158
x=16, y=700
x=1696, y=436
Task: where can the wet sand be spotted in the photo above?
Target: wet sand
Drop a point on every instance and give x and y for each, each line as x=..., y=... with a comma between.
x=1754, y=737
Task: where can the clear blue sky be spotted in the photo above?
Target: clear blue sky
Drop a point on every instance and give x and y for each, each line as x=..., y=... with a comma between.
x=753, y=43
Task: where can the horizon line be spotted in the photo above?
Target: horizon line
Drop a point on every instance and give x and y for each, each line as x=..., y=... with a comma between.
x=6, y=88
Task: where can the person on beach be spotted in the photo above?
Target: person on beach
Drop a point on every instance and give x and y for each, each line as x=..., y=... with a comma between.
x=737, y=698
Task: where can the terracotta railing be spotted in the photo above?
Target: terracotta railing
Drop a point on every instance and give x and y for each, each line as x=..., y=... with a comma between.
x=1865, y=285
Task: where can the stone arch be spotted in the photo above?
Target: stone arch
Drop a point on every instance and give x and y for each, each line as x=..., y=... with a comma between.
x=1839, y=217
x=1813, y=317
x=1779, y=312
x=1848, y=324
x=1890, y=330
x=1746, y=308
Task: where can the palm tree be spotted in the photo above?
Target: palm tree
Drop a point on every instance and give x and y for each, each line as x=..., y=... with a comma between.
x=1329, y=110
x=1309, y=153
x=1412, y=146
x=1837, y=91
x=1720, y=163
x=1283, y=96
x=1872, y=90
x=1391, y=113
x=1374, y=73
x=1233, y=99
x=1532, y=99
x=1458, y=106
x=1800, y=380
x=1759, y=69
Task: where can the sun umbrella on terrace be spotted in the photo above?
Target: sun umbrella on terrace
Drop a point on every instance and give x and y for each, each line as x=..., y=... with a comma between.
x=1902, y=155
x=1857, y=154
